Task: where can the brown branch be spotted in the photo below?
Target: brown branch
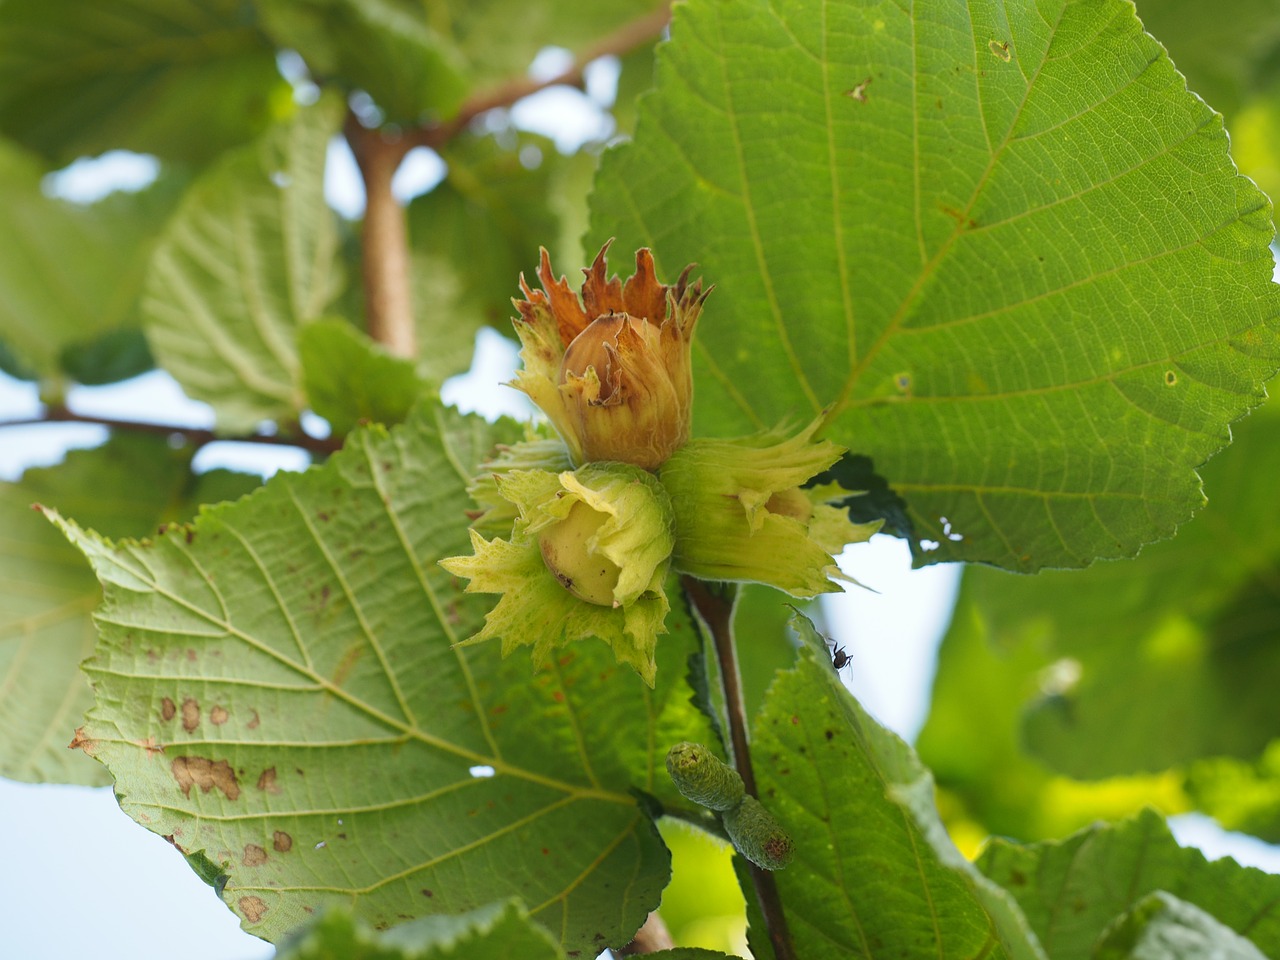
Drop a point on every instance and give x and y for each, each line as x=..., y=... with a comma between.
x=717, y=614
x=193, y=435
x=626, y=38
x=385, y=247
x=650, y=938
x=384, y=256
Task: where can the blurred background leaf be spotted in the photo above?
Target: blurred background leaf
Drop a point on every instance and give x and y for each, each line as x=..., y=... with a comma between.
x=248, y=258
x=1072, y=889
x=183, y=79
x=70, y=288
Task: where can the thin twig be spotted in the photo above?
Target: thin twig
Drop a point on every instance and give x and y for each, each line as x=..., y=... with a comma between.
x=626, y=38
x=717, y=614
x=193, y=435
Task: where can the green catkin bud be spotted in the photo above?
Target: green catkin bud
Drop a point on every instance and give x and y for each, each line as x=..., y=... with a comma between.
x=757, y=835
x=703, y=778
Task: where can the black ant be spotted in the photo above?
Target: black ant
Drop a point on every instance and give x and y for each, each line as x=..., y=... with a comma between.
x=839, y=656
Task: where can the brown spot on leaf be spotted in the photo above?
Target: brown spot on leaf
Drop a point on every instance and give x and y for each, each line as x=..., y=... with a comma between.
x=191, y=655
x=218, y=715
x=254, y=855
x=1000, y=48
x=859, y=91
x=267, y=781
x=281, y=842
x=82, y=742
x=253, y=908
x=253, y=724
x=428, y=893
x=167, y=709
x=190, y=714
x=150, y=745
x=206, y=774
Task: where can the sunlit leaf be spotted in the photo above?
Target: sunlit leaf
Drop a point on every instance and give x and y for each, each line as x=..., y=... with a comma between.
x=1240, y=795
x=998, y=243
x=278, y=690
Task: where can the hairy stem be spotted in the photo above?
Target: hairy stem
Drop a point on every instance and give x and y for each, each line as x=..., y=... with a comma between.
x=195, y=436
x=716, y=613
x=384, y=256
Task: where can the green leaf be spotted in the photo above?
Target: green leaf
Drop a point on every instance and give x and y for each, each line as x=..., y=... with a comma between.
x=499, y=38
x=973, y=743
x=1162, y=659
x=69, y=290
x=1001, y=241
x=493, y=932
x=499, y=931
x=1232, y=62
x=473, y=236
x=1240, y=796
x=1224, y=57
x=874, y=871
x=1071, y=889
x=184, y=79
x=383, y=47
x=128, y=486
x=1162, y=927
x=278, y=686
x=349, y=378
x=249, y=257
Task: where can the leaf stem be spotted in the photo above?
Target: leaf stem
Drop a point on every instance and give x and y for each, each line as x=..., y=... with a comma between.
x=716, y=613
x=384, y=250
x=193, y=435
